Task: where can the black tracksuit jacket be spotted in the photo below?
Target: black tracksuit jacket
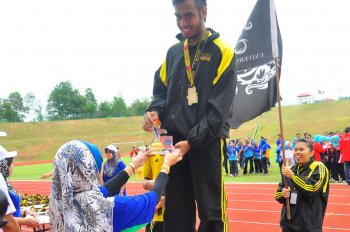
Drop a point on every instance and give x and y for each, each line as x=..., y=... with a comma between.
x=215, y=82
x=311, y=182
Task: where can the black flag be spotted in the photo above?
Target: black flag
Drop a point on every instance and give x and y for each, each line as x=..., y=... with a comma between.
x=259, y=44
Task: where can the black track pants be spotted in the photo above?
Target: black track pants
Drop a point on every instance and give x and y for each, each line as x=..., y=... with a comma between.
x=197, y=178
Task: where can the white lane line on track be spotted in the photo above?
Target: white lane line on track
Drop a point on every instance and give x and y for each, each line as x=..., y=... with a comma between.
x=335, y=228
x=30, y=180
x=268, y=194
x=279, y=211
x=251, y=222
x=275, y=224
x=256, y=210
x=274, y=187
x=329, y=203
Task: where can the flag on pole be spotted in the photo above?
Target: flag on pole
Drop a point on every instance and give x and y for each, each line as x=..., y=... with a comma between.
x=257, y=47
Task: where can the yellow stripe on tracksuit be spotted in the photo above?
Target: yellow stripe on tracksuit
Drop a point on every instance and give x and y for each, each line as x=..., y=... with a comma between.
x=227, y=55
x=278, y=195
x=313, y=188
x=223, y=193
x=162, y=74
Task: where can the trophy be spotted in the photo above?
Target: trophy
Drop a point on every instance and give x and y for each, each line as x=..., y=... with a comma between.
x=161, y=142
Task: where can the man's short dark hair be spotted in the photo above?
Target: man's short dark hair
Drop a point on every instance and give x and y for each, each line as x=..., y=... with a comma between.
x=347, y=130
x=199, y=3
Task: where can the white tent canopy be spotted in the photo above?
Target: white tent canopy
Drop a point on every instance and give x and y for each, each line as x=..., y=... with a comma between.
x=2, y=133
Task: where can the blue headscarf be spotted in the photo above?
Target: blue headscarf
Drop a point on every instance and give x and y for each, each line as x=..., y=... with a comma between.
x=295, y=140
x=335, y=140
x=317, y=138
x=323, y=138
x=95, y=153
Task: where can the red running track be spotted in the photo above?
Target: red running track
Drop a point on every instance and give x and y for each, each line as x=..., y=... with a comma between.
x=251, y=207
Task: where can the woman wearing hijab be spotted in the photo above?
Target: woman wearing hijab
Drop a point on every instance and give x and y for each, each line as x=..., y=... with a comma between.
x=317, y=146
x=112, y=166
x=22, y=217
x=78, y=204
x=337, y=167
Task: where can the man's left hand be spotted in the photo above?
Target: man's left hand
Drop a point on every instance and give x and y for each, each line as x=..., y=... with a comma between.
x=160, y=203
x=184, y=147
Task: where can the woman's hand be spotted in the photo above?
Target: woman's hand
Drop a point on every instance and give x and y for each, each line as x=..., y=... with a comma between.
x=31, y=221
x=140, y=158
x=172, y=158
x=31, y=213
x=286, y=192
x=160, y=203
x=287, y=172
x=147, y=184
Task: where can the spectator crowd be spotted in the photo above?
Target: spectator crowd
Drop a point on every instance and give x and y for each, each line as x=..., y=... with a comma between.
x=253, y=156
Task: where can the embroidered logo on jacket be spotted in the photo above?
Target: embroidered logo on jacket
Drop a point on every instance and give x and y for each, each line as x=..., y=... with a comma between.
x=205, y=57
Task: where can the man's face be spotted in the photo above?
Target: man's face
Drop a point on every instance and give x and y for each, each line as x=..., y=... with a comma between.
x=302, y=153
x=189, y=20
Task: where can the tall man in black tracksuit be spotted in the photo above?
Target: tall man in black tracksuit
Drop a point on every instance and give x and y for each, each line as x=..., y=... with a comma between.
x=307, y=192
x=192, y=96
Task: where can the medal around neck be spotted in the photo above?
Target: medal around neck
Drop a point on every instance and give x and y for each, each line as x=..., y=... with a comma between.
x=192, y=96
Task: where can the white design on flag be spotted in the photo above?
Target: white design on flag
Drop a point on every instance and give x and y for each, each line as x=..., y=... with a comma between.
x=257, y=77
x=248, y=26
x=257, y=50
x=241, y=46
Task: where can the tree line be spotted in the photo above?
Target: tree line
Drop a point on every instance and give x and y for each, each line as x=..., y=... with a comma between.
x=67, y=103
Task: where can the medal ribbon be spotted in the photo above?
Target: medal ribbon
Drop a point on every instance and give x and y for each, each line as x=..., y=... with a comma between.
x=196, y=60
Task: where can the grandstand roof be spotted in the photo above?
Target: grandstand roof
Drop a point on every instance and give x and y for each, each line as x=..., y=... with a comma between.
x=304, y=95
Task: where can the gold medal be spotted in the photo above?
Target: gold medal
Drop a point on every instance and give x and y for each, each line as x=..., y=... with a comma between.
x=192, y=96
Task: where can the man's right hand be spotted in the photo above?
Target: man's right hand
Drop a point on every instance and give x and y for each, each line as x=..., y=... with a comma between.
x=148, y=121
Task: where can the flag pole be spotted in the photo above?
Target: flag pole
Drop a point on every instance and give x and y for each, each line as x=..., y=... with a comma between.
x=256, y=131
x=285, y=181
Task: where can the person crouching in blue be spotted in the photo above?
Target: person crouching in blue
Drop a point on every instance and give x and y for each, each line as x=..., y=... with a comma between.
x=77, y=203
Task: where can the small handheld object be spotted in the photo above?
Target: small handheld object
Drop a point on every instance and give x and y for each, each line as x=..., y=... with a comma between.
x=164, y=144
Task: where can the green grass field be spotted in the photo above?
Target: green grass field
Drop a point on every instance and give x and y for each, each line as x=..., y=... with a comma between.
x=40, y=140
x=34, y=172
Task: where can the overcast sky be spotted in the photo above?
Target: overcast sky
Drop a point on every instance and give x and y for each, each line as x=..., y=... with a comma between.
x=115, y=46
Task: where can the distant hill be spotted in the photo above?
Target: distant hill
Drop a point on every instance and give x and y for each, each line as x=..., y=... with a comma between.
x=40, y=140
x=311, y=118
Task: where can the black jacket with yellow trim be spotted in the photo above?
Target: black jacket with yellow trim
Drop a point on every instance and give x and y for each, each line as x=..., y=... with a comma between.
x=215, y=82
x=311, y=182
